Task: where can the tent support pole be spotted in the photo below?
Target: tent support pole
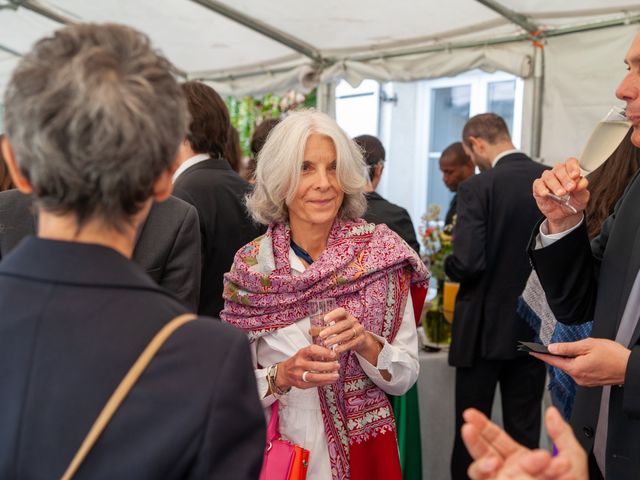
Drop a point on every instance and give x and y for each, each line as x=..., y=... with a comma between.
x=42, y=10
x=221, y=76
x=264, y=29
x=10, y=50
x=512, y=16
x=326, y=98
x=497, y=41
x=538, y=98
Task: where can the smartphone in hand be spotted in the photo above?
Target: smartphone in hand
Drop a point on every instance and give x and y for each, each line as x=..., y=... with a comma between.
x=537, y=348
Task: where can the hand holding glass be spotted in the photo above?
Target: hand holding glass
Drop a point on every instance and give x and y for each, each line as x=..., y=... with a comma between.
x=318, y=308
x=604, y=140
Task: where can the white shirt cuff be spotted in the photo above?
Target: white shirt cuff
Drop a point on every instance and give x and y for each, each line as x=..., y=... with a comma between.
x=544, y=238
x=385, y=360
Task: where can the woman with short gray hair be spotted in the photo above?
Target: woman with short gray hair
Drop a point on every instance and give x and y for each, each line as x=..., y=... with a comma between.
x=94, y=118
x=309, y=189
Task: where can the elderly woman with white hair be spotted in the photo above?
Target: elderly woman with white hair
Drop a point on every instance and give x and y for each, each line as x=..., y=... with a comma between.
x=310, y=191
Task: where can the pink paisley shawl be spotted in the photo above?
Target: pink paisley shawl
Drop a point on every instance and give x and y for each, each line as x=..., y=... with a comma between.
x=368, y=269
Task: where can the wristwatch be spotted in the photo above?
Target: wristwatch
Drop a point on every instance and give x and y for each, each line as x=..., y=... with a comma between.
x=272, y=373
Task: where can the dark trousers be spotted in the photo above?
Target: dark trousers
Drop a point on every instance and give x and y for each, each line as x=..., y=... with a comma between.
x=521, y=387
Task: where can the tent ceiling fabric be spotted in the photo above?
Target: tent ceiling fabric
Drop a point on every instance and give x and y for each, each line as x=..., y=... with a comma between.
x=336, y=24
x=515, y=59
x=376, y=38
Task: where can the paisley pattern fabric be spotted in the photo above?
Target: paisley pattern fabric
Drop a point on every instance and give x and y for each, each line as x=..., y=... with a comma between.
x=368, y=269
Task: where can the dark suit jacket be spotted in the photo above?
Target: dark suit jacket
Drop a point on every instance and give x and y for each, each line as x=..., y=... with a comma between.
x=168, y=244
x=496, y=212
x=453, y=209
x=584, y=282
x=73, y=319
x=380, y=210
x=218, y=194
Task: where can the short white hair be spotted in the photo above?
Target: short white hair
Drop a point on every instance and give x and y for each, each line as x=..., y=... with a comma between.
x=279, y=164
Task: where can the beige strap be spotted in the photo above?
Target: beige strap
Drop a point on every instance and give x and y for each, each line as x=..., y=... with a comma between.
x=123, y=389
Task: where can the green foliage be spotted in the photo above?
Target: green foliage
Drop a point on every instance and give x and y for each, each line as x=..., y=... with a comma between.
x=438, y=245
x=436, y=328
x=250, y=111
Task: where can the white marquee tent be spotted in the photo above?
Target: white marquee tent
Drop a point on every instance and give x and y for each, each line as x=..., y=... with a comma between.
x=569, y=53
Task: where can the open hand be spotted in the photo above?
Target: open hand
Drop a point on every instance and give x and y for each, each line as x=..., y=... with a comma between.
x=497, y=456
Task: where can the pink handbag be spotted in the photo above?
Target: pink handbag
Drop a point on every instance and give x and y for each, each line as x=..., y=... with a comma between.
x=282, y=459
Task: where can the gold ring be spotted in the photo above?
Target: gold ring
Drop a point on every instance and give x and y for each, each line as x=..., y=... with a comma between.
x=304, y=376
x=355, y=334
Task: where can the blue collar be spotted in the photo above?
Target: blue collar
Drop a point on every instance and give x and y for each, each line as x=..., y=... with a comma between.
x=301, y=253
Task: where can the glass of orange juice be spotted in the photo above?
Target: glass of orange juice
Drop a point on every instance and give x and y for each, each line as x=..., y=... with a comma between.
x=449, y=299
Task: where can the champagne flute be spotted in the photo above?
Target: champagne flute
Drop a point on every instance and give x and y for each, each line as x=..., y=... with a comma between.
x=604, y=140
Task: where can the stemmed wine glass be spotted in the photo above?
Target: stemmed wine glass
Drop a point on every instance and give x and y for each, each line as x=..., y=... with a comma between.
x=604, y=140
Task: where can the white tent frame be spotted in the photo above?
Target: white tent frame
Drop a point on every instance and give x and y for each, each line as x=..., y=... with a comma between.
x=323, y=71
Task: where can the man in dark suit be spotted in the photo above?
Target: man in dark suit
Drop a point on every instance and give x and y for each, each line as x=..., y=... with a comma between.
x=495, y=215
x=94, y=118
x=600, y=282
x=456, y=166
x=206, y=180
x=167, y=245
x=380, y=210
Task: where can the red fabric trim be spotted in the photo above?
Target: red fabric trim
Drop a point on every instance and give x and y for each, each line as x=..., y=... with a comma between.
x=418, y=296
x=376, y=459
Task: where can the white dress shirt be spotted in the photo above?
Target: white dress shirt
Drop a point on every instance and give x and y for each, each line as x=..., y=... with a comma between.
x=190, y=162
x=300, y=413
x=503, y=154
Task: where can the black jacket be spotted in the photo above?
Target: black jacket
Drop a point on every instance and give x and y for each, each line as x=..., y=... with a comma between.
x=453, y=210
x=586, y=282
x=380, y=210
x=496, y=213
x=218, y=194
x=73, y=319
x=167, y=247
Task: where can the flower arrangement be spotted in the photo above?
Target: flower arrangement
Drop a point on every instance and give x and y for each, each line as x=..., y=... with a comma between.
x=437, y=241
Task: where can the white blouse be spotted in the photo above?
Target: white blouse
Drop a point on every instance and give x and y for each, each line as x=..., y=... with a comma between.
x=300, y=413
